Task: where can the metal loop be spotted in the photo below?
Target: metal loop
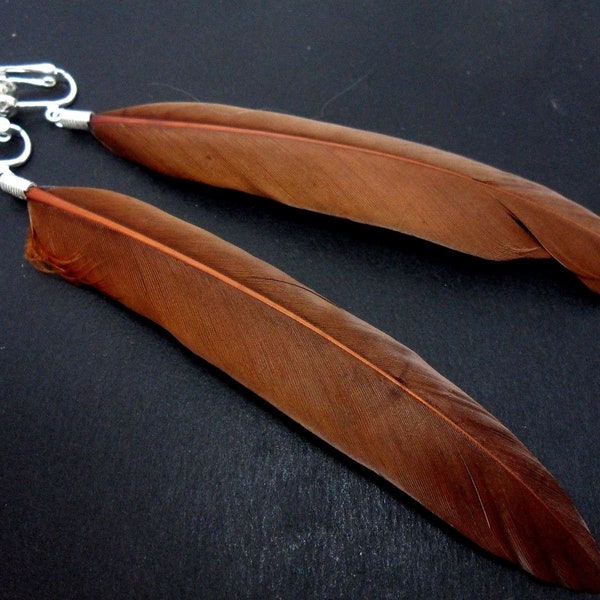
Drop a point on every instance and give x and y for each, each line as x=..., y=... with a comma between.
x=9, y=131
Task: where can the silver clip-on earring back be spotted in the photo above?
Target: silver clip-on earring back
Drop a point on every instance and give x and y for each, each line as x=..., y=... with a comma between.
x=26, y=87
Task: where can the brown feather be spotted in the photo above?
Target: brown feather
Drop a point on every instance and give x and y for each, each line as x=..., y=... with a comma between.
x=347, y=382
x=363, y=176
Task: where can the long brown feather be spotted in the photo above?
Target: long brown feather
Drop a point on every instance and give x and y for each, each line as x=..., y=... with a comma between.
x=363, y=176
x=342, y=379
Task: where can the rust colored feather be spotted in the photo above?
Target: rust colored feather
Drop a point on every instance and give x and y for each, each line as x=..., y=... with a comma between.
x=342, y=379
x=363, y=176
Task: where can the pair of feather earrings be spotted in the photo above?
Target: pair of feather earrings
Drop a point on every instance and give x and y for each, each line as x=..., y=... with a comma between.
x=347, y=382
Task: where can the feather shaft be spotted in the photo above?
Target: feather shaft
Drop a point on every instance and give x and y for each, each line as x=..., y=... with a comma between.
x=347, y=382
x=362, y=176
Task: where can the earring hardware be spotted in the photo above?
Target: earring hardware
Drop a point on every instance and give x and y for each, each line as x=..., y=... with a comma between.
x=18, y=83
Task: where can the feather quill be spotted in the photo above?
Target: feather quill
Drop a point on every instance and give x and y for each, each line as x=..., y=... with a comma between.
x=342, y=379
x=362, y=176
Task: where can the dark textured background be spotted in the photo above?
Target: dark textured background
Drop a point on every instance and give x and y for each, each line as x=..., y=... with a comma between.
x=130, y=468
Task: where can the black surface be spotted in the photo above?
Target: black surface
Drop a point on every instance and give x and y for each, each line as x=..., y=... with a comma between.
x=130, y=468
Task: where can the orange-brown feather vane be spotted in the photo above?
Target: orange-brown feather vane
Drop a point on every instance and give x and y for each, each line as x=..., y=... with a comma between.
x=345, y=381
x=359, y=175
